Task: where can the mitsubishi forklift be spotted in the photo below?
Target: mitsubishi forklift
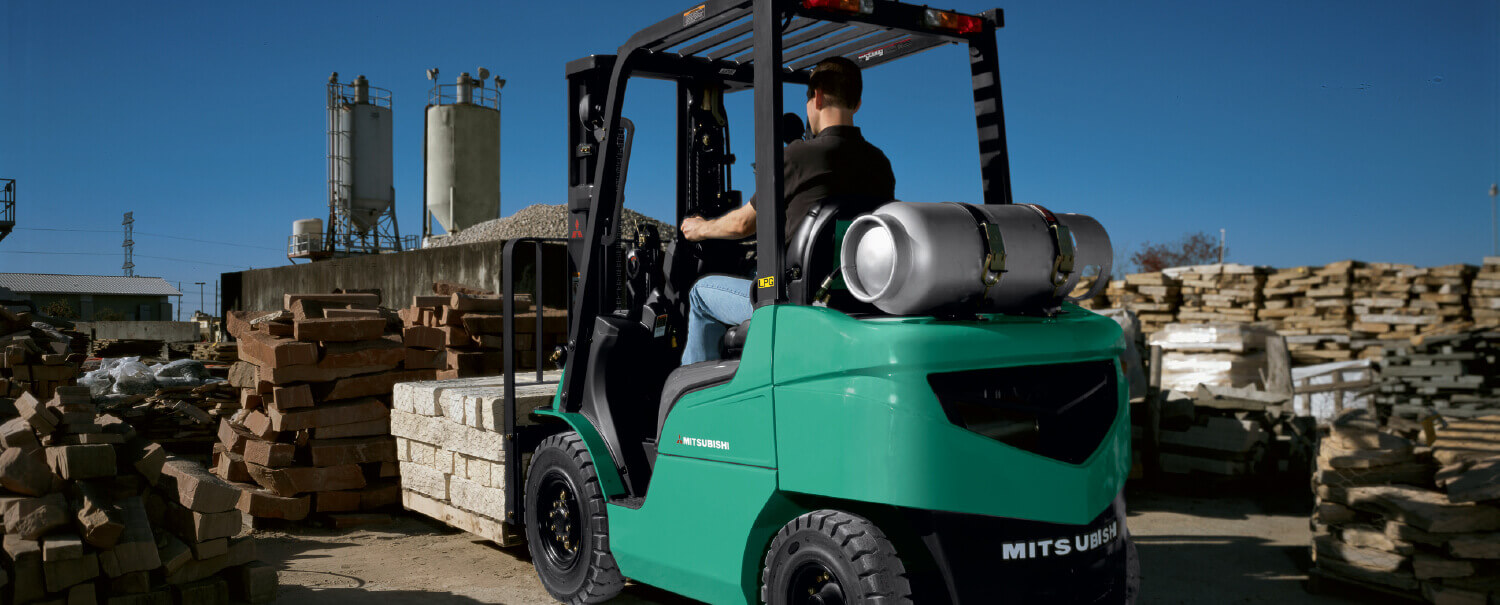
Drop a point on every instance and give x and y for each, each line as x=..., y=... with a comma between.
x=843, y=450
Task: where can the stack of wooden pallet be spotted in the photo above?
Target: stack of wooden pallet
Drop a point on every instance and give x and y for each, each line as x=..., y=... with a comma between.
x=1154, y=297
x=1399, y=518
x=315, y=383
x=96, y=513
x=1484, y=293
x=1455, y=375
x=461, y=335
x=36, y=357
x=1219, y=292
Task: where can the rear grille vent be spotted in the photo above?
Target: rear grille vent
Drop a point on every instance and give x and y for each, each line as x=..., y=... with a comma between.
x=1059, y=411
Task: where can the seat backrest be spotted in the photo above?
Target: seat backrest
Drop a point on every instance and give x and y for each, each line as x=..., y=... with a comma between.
x=812, y=250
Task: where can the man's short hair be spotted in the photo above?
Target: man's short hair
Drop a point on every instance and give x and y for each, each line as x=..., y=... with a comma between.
x=838, y=78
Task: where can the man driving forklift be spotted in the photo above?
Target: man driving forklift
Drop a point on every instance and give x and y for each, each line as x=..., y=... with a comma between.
x=835, y=161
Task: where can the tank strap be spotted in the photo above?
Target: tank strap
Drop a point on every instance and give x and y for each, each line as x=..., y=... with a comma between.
x=994, y=249
x=1062, y=246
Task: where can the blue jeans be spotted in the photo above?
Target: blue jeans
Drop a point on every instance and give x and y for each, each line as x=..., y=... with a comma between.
x=715, y=303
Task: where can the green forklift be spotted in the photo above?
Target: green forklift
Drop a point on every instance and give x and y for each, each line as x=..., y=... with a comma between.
x=915, y=412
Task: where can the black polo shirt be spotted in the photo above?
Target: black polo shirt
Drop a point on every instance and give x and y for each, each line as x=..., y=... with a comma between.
x=836, y=162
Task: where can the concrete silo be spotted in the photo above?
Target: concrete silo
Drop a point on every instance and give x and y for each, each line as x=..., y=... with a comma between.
x=361, y=197
x=461, y=152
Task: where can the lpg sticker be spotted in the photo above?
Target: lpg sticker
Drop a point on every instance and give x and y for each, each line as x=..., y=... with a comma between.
x=694, y=15
x=708, y=443
x=1038, y=549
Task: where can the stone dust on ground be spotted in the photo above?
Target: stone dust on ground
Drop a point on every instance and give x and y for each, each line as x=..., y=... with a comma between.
x=1194, y=548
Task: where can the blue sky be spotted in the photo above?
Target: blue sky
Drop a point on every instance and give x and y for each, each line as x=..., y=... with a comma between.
x=1312, y=132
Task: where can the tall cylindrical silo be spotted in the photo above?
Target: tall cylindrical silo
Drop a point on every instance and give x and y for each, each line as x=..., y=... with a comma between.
x=463, y=155
x=367, y=148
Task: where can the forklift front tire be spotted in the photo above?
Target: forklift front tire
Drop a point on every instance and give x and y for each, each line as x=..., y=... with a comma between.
x=566, y=529
x=826, y=557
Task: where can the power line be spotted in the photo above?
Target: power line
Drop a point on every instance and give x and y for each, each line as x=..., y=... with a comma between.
x=177, y=237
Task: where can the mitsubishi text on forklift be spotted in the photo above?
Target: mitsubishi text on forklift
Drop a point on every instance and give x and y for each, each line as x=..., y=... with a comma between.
x=916, y=410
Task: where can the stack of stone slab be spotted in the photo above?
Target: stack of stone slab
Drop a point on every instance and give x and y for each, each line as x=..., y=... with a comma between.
x=1219, y=292
x=1401, y=301
x=1311, y=307
x=1154, y=297
x=315, y=385
x=36, y=357
x=1484, y=293
x=1455, y=375
x=461, y=335
x=450, y=439
x=1396, y=516
x=95, y=513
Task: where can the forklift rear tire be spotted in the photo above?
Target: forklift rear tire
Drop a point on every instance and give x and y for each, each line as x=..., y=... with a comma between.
x=566, y=529
x=830, y=557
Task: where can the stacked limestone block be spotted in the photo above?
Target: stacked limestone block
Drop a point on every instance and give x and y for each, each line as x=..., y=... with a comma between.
x=314, y=434
x=450, y=440
x=94, y=513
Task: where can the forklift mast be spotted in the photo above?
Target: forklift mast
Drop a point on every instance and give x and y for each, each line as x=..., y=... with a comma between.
x=720, y=47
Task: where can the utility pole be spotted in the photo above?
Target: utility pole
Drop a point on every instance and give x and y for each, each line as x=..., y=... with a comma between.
x=1221, y=246
x=200, y=295
x=1494, y=222
x=179, y=301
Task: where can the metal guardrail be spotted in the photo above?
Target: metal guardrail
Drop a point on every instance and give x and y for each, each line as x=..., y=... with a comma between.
x=447, y=94
x=317, y=246
x=508, y=292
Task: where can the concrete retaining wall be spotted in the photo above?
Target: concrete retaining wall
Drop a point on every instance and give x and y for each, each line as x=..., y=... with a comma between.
x=398, y=276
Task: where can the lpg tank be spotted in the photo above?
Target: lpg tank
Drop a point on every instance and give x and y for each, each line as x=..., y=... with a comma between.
x=919, y=258
x=365, y=147
x=463, y=154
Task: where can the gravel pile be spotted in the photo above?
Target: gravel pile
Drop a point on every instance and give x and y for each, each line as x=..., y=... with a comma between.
x=542, y=220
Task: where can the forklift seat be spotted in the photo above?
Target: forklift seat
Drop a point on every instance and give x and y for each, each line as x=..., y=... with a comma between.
x=689, y=378
x=812, y=251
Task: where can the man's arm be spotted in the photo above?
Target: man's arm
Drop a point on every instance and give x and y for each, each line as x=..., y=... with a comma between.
x=738, y=223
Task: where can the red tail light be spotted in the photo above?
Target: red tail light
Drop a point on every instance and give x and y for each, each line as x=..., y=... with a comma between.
x=960, y=24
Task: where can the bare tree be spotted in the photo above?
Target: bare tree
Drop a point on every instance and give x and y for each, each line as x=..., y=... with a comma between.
x=1193, y=249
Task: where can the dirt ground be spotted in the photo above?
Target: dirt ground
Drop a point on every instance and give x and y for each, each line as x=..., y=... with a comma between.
x=1194, y=548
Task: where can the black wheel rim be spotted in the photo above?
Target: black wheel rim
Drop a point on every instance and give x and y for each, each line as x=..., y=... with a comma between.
x=813, y=583
x=557, y=520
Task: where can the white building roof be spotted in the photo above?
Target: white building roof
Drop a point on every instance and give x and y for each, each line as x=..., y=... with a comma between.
x=48, y=283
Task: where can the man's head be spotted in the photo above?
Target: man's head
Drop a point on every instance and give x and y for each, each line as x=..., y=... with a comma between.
x=833, y=93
